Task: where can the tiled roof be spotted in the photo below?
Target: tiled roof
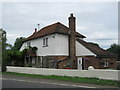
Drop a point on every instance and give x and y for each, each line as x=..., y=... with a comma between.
x=54, y=28
x=96, y=49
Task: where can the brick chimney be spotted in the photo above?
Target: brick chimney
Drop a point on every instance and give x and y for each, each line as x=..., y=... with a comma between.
x=35, y=31
x=72, y=42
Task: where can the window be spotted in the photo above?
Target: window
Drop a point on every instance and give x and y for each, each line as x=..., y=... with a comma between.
x=45, y=42
x=28, y=44
x=105, y=63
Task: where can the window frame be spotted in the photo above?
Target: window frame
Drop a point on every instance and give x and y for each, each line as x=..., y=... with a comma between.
x=28, y=44
x=106, y=63
x=45, y=42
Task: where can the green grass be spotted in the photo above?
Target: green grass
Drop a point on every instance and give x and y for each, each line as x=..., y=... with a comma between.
x=72, y=79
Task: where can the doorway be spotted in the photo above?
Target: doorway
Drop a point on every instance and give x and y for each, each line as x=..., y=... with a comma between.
x=80, y=63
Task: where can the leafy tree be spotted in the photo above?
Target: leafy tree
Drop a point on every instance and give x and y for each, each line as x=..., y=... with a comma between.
x=3, y=43
x=115, y=48
x=15, y=57
x=9, y=46
x=18, y=43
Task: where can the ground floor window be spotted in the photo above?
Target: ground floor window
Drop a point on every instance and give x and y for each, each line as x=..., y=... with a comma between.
x=105, y=63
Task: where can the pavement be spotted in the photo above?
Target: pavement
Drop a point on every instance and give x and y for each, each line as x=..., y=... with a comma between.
x=12, y=81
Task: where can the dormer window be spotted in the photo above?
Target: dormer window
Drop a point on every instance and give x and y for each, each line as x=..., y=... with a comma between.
x=45, y=42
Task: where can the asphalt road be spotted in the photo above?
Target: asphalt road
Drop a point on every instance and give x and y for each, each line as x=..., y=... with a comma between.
x=24, y=84
x=9, y=81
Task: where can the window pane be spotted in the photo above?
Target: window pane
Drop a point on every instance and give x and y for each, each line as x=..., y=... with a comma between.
x=43, y=42
x=28, y=44
x=46, y=41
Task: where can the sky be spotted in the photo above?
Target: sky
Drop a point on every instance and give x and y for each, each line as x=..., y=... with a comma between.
x=98, y=21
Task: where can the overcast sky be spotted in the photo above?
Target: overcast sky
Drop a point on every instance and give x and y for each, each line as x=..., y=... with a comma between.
x=98, y=21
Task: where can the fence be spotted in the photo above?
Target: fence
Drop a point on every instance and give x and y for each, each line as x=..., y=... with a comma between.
x=92, y=73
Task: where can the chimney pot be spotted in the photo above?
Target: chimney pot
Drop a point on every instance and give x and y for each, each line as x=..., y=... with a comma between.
x=71, y=15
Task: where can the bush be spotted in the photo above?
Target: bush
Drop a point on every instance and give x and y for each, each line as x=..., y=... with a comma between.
x=15, y=56
x=4, y=56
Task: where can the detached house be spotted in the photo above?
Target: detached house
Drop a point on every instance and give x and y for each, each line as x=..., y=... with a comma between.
x=59, y=46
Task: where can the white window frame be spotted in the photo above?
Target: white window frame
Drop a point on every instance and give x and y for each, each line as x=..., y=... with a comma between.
x=45, y=42
x=106, y=63
x=28, y=43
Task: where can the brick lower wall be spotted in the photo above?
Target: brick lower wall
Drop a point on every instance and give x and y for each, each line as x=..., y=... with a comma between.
x=88, y=61
x=57, y=59
x=91, y=61
x=112, y=64
x=62, y=65
x=97, y=63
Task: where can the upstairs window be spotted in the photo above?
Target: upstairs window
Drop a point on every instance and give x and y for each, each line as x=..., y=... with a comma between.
x=28, y=44
x=45, y=42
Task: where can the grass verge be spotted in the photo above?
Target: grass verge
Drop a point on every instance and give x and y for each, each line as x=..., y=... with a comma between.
x=72, y=79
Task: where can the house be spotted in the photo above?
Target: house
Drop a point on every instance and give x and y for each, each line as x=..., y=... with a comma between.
x=59, y=46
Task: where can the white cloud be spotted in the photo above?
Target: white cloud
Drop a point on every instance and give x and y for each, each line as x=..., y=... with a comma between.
x=94, y=20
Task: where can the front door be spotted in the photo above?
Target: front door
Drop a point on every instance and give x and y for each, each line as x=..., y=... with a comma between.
x=79, y=63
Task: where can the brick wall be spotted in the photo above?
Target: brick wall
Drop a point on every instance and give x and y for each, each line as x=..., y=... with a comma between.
x=112, y=64
x=91, y=61
x=54, y=59
x=97, y=63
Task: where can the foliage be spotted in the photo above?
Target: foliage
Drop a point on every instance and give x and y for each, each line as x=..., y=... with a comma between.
x=9, y=46
x=29, y=65
x=3, y=38
x=15, y=57
x=114, y=48
x=18, y=43
x=33, y=49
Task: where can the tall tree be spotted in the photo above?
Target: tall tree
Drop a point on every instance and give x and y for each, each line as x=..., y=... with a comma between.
x=8, y=46
x=18, y=43
x=115, y=48
x=3, y=43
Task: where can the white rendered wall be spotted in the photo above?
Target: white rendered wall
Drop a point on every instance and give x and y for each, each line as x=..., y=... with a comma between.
x=82, y=51
x=95, y=73
x=23, y=46
x=56, y=46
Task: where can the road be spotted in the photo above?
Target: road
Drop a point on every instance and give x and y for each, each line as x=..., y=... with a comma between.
x=10, y=81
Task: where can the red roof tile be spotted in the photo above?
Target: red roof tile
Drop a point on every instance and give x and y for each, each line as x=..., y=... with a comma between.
x=54, y=28
x=96, y=49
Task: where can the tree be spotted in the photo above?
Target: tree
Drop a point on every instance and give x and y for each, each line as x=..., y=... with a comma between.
x=115, y=48
x=3, y=43
x=9, y=46
x=15, y=57
x=18, y=43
